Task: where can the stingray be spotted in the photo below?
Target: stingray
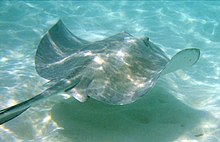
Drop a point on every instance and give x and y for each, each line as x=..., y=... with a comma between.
x=117, y=70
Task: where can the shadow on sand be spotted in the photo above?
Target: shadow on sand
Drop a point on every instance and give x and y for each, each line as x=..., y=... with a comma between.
x=157, y=117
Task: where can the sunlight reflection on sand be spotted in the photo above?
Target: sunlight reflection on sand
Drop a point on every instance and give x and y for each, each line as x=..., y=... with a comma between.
x=171, y=25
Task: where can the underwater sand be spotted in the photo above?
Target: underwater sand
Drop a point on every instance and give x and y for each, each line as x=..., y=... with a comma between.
x=182, y=107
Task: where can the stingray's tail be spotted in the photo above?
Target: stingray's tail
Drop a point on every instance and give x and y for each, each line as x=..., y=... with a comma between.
x=14, y=111
x=11, y=112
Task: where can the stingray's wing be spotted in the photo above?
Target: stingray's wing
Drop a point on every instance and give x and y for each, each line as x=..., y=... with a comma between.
x=57, y=44
x=110, y=43
x=182, y=59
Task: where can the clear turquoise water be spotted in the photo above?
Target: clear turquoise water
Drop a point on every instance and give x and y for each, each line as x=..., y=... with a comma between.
x=183, y=106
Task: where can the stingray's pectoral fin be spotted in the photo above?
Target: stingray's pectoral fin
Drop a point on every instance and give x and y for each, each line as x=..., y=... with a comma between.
x=182, y=59
x=73, y=92
x=77, y=96
x=77, y=92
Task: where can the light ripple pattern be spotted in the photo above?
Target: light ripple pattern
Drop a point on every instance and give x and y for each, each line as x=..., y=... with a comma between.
x=183, y=106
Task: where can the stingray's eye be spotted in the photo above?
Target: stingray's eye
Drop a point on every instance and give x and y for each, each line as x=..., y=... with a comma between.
x=146, y=40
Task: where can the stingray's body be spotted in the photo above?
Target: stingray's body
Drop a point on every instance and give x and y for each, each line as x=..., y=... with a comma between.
x=117, y=70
